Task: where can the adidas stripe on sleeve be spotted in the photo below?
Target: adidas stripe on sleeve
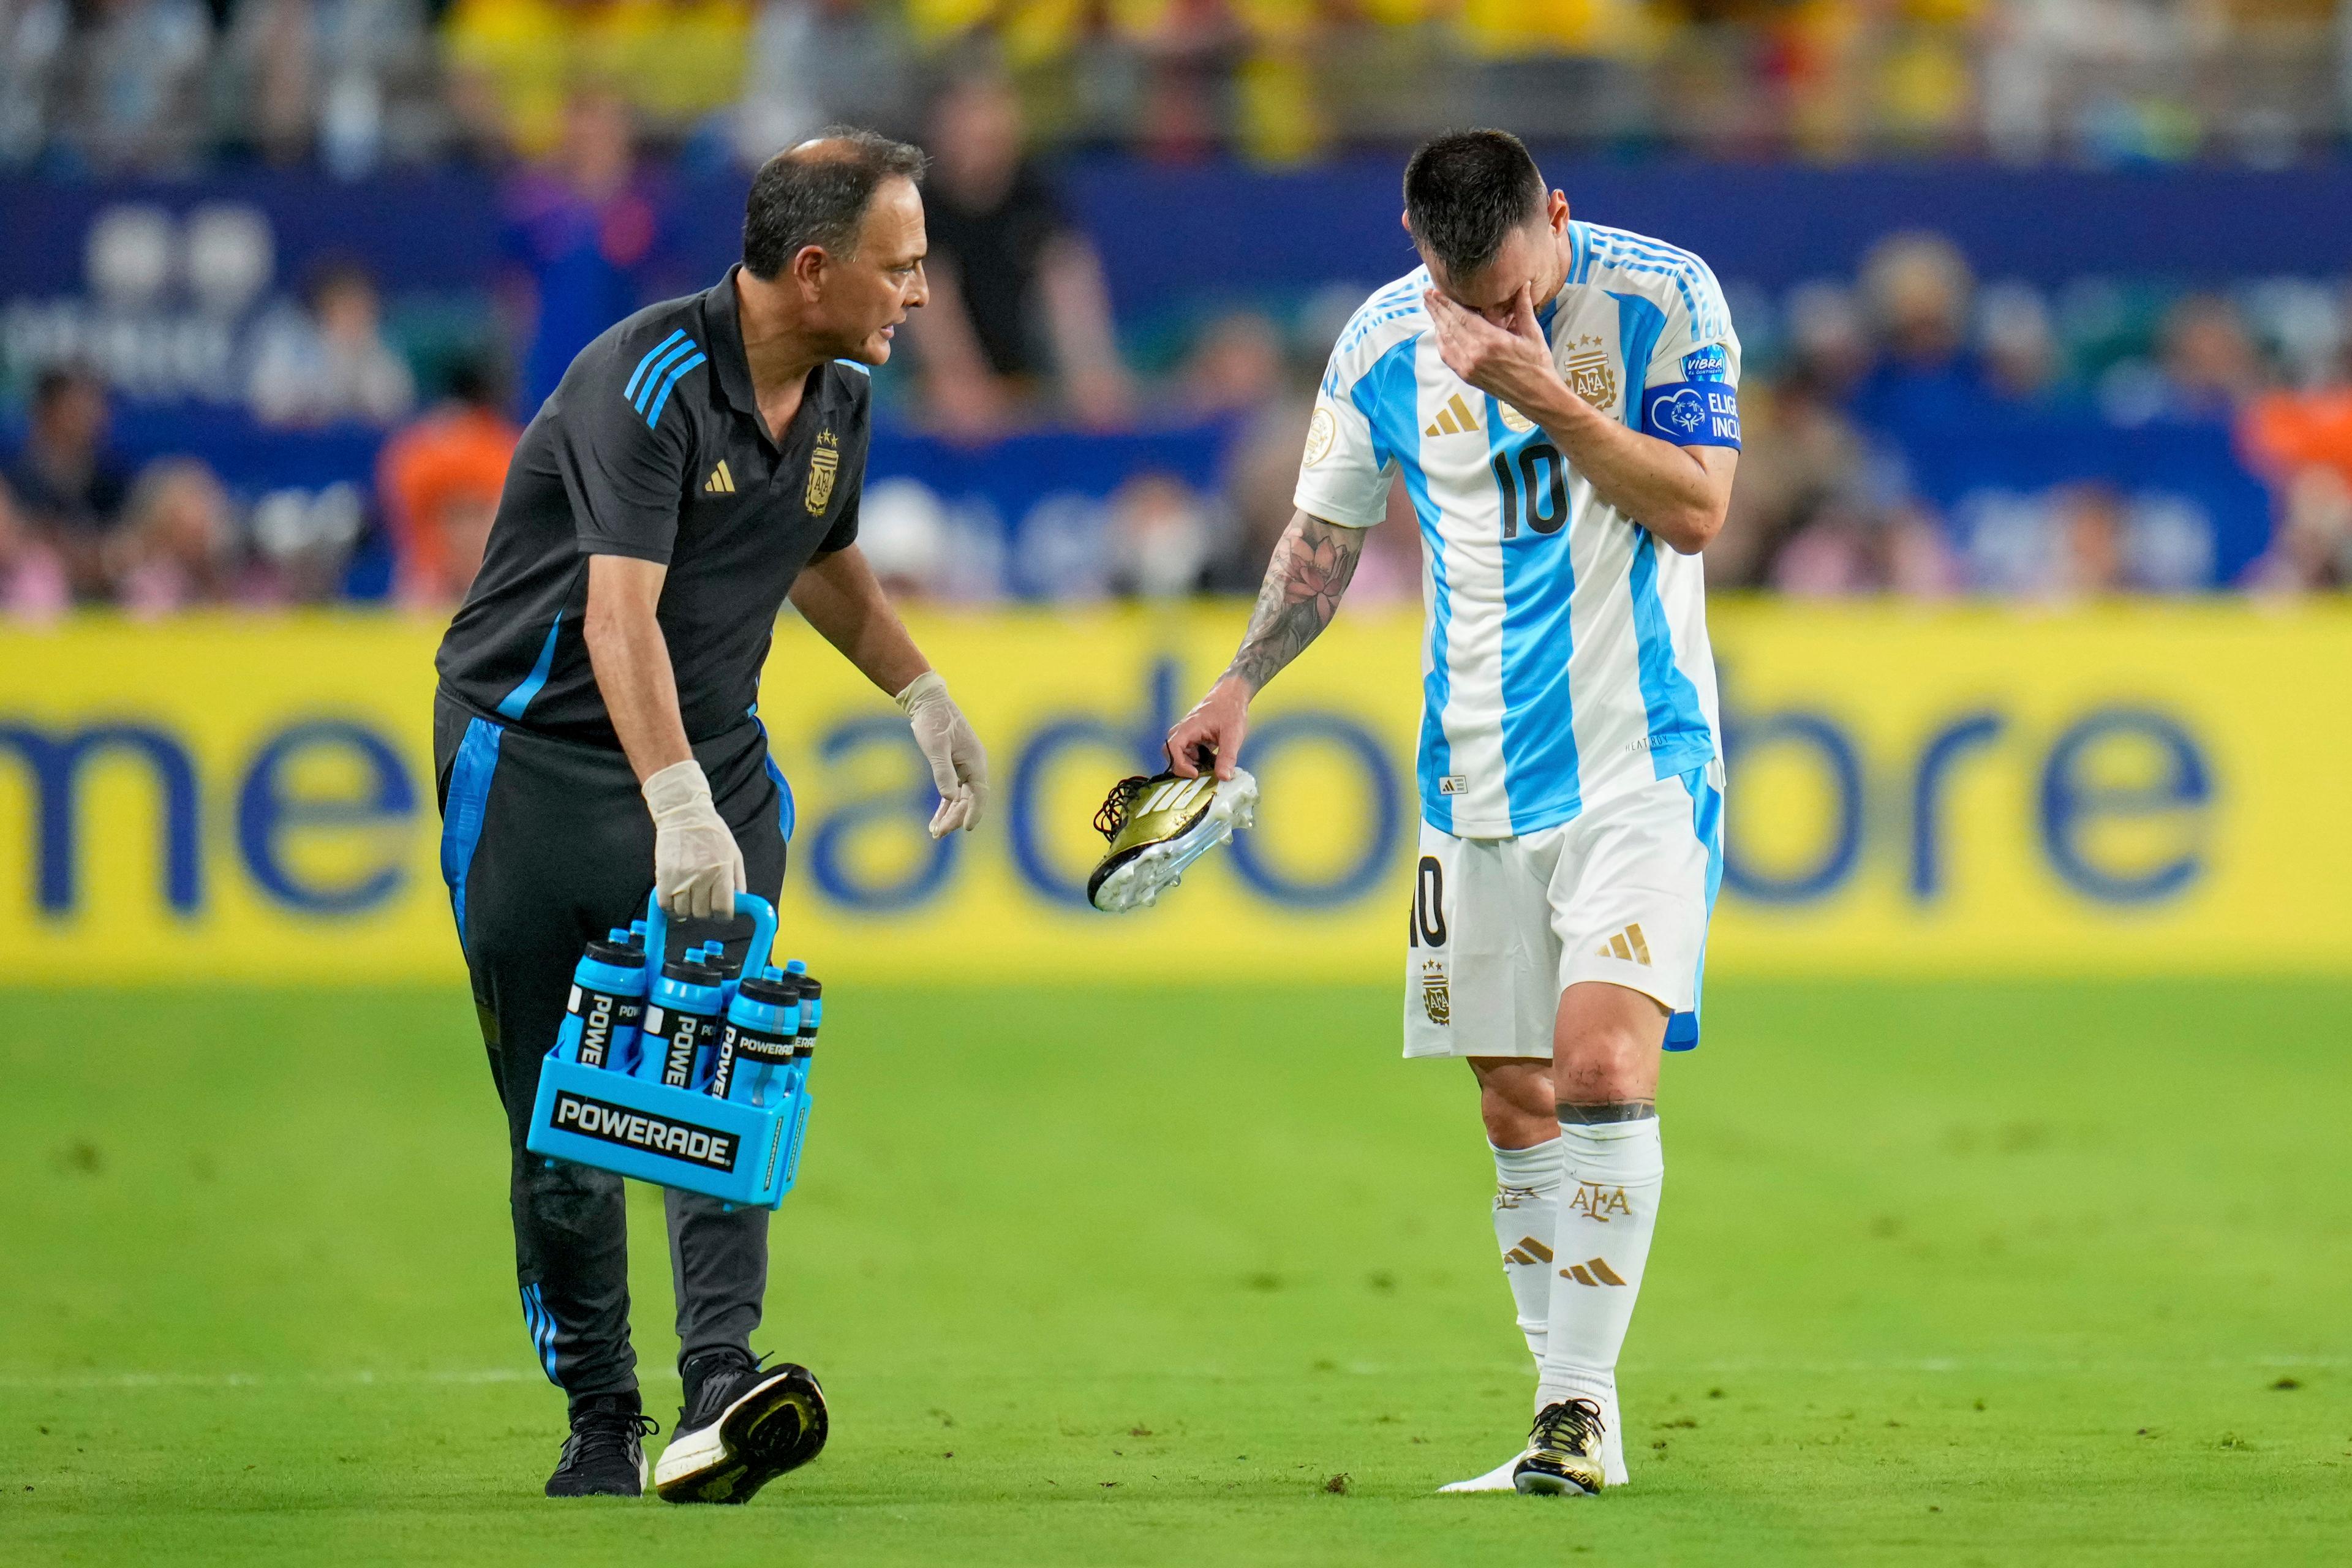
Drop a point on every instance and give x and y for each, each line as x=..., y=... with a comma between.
x=1690, y=387
x=631, y=441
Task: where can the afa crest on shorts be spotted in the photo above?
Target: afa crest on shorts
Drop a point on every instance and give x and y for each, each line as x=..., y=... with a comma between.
x=1436, y=997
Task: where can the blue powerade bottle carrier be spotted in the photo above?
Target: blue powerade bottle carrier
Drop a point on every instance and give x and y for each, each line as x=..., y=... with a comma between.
x=712, y=1094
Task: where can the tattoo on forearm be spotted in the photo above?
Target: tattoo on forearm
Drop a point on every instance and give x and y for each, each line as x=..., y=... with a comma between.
x=1310, y=572
x=1607, y=1110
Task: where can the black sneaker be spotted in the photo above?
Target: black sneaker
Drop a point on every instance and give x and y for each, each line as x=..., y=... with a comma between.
x=743, y=1426
x=1563, y=1456
x=606, y=1455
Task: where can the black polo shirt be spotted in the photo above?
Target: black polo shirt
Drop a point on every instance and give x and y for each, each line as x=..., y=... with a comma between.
x=652, y=446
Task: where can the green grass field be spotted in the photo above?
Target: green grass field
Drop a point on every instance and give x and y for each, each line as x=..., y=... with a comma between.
x=1945, y=1274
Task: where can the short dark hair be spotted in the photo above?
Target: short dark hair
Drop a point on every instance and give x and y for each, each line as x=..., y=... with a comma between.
x=809, y=196
x=1466, y=191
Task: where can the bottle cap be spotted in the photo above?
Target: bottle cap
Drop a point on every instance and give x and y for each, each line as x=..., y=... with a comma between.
x=784, y=992
x=691, y=974
x=619, y=954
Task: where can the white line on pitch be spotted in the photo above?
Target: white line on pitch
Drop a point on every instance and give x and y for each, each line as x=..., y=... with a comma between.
x=2043, y=1366
x=1998, y=1365
x=133, y=1380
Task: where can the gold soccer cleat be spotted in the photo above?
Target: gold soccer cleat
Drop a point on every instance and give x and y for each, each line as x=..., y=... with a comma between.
x=1158, y=825
x=1563, y=1456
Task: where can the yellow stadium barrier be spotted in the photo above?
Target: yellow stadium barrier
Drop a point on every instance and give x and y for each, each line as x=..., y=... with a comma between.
x=2135, y=789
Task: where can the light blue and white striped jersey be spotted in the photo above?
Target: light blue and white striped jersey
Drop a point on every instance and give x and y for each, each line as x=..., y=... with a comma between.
x=1565, y=657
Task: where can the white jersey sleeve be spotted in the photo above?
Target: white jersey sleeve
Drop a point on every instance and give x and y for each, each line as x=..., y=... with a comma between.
x=1343, y=476
x=1690, y=389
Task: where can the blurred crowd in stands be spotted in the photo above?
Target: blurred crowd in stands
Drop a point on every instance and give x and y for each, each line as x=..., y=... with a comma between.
x=1848, y=385
x=1863, y=380
x=77, y=528
x=1853, y=388
x=158, y=84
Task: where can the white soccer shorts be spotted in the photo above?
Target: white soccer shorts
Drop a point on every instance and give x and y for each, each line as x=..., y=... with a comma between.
x=1620, y=893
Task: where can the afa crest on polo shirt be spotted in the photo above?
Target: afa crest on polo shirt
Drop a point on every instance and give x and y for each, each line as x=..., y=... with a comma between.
x=824, y=462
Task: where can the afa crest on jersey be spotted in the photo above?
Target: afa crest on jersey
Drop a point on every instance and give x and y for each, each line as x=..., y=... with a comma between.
x=1589, y=374
x=825, y=467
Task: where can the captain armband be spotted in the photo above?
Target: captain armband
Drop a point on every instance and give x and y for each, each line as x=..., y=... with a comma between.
x=1692, y=413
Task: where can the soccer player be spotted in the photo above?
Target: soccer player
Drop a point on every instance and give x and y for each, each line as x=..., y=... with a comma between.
x=596, y=733
x=1560, y=401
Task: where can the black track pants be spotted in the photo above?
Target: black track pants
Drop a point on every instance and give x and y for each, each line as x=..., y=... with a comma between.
x=546, y=844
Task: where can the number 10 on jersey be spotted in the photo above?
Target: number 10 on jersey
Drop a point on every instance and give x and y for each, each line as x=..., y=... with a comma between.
x=1534, y=486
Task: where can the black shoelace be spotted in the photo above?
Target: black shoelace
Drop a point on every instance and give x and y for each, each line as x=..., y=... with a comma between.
x=1571, y=1425
x=598, y=1431
x=1112, y=815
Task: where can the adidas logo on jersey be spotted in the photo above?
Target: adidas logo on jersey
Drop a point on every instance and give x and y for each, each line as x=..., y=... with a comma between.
x=1453, y=419
x=1626, y=945
x=720, y=483
x=1591, y=1271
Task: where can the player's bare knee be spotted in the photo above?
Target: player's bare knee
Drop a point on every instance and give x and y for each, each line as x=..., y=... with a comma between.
x=1515, y=1100
x=1605, y=1068
x=1605, y=1050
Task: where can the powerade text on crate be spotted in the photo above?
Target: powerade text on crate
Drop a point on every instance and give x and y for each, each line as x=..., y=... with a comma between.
x=696, y=1078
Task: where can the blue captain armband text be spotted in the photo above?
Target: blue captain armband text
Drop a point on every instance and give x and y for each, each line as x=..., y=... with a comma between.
x=1692, y=413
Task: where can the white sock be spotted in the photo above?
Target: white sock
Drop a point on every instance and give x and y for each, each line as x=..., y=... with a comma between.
x=1613, y=1173
x=1526, y=1216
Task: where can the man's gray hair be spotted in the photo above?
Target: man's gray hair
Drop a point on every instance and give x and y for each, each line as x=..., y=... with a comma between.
x=817, y=194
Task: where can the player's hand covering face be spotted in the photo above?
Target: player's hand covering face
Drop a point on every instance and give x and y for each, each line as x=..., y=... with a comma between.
x=1513, y=363
x=958, y=765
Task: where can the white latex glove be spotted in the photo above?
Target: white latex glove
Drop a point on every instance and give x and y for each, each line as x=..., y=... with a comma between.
x=958, y=766
x=697, y=870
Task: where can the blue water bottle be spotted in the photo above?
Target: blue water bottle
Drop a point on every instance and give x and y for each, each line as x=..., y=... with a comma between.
x=608, y=1006
x=795, y=1076
x=812, y=1015
x=684, y=1010
x=762, y=1031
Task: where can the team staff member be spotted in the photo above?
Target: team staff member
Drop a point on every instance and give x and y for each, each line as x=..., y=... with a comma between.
x=595, y=729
